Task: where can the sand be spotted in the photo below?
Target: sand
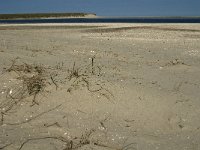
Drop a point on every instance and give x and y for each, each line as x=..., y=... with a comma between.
x=133, y=87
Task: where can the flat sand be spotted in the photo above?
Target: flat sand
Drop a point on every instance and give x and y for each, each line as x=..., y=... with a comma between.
x=101, y=87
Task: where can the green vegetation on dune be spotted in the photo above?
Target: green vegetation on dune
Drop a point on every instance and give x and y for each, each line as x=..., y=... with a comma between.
x=42, y=15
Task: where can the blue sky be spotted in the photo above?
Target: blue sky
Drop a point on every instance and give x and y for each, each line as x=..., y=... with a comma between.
x=105, y=7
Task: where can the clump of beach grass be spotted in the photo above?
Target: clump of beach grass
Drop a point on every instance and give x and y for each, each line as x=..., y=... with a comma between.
x=31, y=81
x=88, y=76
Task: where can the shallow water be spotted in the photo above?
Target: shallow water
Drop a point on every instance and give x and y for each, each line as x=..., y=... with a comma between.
x=104, y=20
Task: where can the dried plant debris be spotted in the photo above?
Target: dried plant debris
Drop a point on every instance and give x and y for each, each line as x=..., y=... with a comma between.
x=75, y=143
x=34, y=85
x=3, y=147
x=35, y=117
x=74, y=72
x=84, y=71
x=31, y=80
x=70, y=144
x=175, y=62
x=25, y=68
x=88, y=77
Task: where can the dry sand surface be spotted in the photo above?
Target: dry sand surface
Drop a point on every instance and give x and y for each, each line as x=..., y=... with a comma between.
x=100, y=87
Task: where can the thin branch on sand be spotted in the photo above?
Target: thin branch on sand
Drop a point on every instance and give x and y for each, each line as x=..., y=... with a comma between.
x=32, y=118
x=67, y=142
x=5, y=146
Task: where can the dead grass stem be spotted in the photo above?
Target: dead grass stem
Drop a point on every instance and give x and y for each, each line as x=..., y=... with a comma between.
x=31, y=81
x=77, y=142
x=34, y=117
x=88, y=76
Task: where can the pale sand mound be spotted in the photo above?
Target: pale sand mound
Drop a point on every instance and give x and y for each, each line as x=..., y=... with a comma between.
x=132, y=87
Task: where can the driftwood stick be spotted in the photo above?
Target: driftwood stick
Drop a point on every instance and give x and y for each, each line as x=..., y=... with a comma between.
x=29, y=120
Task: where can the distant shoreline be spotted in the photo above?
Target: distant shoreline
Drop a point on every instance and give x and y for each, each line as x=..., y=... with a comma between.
x=151, y=17
x=94, y=19
x=46, y=16
x=82, y=15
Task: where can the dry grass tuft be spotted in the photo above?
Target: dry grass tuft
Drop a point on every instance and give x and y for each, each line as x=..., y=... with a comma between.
x=25, y=68
x=88, y=76
x=32, y=77
x=34, y=85
x=31, y=81
x=74, y=72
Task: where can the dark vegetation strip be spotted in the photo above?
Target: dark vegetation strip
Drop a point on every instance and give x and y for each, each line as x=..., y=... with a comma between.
x=96, y=29
x=41, y=15
x=46, y=27
x=105, y=30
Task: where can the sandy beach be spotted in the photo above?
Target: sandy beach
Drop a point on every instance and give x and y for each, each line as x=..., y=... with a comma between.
x=100, y=86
